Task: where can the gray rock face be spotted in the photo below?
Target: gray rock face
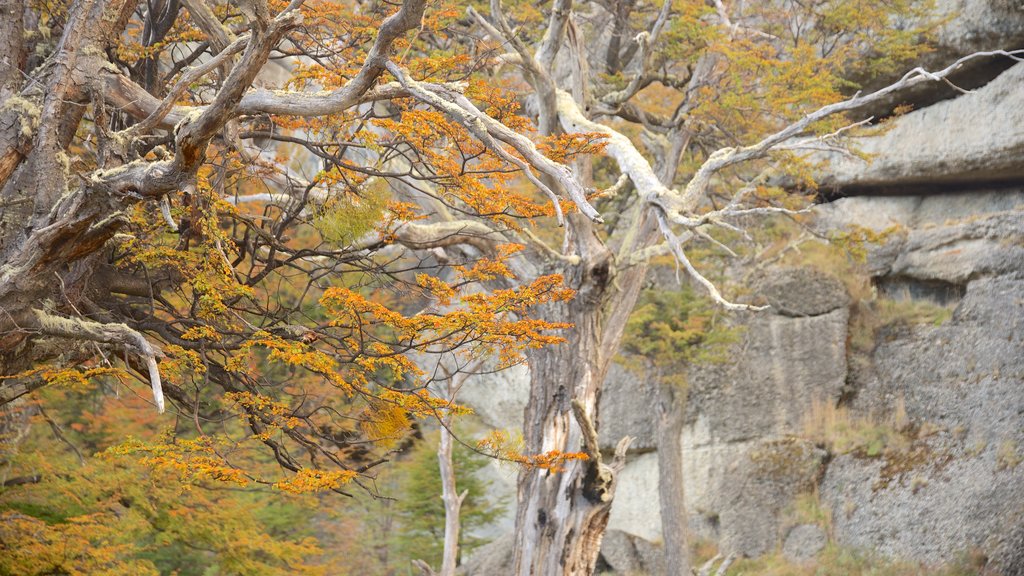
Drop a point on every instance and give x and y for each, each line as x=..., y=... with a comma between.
x=956, y=487
x=968, y=26
x=976, y=25
x=783, y=366
x=636, y=510
x=495, y=557
x=499, y=399
x=627, y=403
x=960, y=488
x=961, y=250
x=741, y=463
x=978, y=137
x=801, y=291
x=628, y=554
x=803, y=542
x=765, y=481
x=949, y=237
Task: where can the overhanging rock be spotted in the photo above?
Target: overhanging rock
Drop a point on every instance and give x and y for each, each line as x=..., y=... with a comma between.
x=977, y=138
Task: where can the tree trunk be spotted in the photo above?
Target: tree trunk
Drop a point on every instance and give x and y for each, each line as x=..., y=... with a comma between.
x=671, y=489
x=452, y=502
x=562, y=515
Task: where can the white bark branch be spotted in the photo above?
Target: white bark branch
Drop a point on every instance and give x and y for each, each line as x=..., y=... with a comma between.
x=80, y=329
x=487, y=130
x=675, y=244
x=419, y=236
x=725, y=157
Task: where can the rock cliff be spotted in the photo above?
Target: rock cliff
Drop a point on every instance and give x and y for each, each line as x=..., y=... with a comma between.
x=891, y=421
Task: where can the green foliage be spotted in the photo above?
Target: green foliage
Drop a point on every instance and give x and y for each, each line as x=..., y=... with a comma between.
x=346, y=218
x=841, y=561
x=671, y=328
x=419, y=511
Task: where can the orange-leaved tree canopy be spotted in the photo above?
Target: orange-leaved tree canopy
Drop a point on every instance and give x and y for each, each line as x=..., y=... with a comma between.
x=284, y=222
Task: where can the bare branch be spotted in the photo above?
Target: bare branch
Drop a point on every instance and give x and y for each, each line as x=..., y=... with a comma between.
x=675, y=244
x=487, y=130
x=707, y=567
x=220, y=36
x=554, y=34
x=442, y=234
x=591, y=447
x=190, y=76
x=731, y=156
x=620, y=148
x=81, y=329
x=724, y=567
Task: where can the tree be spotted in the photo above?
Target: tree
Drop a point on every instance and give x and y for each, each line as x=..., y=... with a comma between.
x=116, y=226
x=160, y=222
x=422, y=513
x=65, y=511
x=668, y=333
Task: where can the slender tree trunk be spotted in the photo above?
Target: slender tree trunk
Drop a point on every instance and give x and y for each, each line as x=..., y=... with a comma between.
x=671, y=488
x=452, y=502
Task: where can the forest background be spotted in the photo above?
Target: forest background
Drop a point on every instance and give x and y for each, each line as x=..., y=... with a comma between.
x=305, y=277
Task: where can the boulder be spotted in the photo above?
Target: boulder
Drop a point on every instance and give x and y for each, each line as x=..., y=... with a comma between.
x=636, y=509
x=495, y=557
x=766, y=480
x=949, y=237
x=780, y=369
x=962, y=250
x=976, y=25
x=625, y=553
x=804, y=542
x=966, y=27
x=801, y=291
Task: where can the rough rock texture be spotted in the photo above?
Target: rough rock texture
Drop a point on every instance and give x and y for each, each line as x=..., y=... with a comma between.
x=801, y=291
x=492, y=558
x=958, y=251
x=958, y=486
x=742, y=468
x=782, y=366
x=636, y=510
x=967, y=26
x=976, y=25
x=625, y=553
x=961, y=487
x=626, y=409
x=803, y=542
x=499, y=398
x=764, y=483
x=947, y=237
x=978, y=137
